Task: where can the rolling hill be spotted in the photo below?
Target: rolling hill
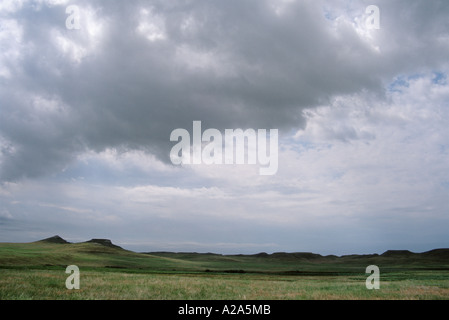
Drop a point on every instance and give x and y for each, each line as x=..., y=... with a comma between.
x=55, y=252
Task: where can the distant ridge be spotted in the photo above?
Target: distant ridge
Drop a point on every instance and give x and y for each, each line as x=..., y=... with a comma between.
x=435, y=254
x=297, y=255
x=440, y=255
x=58, y=240
x=397, y=253
x=104, y=242
x=54, y=239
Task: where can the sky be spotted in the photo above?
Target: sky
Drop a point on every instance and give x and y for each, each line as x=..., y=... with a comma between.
x=90, y=92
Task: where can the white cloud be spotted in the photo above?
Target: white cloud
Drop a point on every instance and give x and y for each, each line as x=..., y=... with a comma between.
x=7, y=6
x=11, y=34
x=78, y=44
x=151, y=25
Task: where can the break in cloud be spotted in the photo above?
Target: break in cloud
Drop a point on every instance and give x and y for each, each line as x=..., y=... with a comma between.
x=86, y=117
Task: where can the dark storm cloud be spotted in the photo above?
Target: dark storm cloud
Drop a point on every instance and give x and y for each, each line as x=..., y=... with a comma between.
x=227, y=63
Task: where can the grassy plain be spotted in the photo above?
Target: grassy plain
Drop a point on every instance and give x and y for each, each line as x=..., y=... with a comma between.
x=37, y=271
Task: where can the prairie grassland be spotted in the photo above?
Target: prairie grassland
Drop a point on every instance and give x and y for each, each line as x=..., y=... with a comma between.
x=95, y=285
x=37, y=271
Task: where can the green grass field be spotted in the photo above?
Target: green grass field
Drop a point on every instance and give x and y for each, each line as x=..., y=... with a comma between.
x=37, y=271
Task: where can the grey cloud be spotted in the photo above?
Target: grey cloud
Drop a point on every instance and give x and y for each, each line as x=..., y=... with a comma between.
x=236, y=64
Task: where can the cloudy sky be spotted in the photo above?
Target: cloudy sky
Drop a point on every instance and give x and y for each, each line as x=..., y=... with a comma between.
x=88, y=99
